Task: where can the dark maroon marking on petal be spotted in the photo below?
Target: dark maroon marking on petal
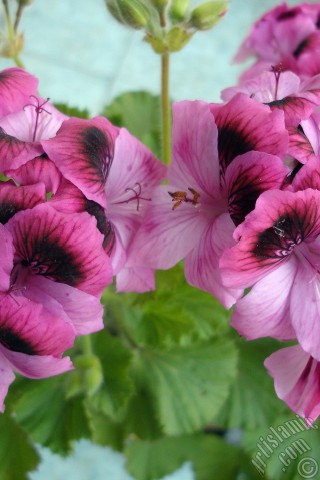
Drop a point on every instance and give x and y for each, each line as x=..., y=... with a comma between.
x=104, y=226
x=278, y=241
x=232, y=141
x=7, y=210
x=97, y=148
x=243, y=197
x=13, y=342
x=301, y=47
x=45, y=254
x=4, y=76
x=292, y=13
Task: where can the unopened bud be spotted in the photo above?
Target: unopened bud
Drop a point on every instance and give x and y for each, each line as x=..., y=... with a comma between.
x=178, y=10
x=159, y=4
x=206, y=15
x=177, y=38
x=133, y=13
x=24, y=3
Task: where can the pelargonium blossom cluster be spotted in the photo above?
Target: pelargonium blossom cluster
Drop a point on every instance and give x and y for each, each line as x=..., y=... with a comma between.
x=72, y=196
x=242, y=206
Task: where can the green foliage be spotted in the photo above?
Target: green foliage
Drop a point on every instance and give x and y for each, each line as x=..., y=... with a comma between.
x=72, y=111
x=44, y=412
x=139, y=112
x=17, y=454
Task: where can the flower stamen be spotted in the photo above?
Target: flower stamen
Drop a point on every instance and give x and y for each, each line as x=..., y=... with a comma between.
x=180, y=196
x=38, y=109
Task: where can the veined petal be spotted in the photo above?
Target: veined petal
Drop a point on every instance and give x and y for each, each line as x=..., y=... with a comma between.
x=247, y=177
x=265, y=310
x=166, y=236
x=281, y=221
x=83, y=152
x=6, y=258
x=27, y=327
x=308, y=176
x=14, y=152
x=135, y=279
x=39, y=169
x=242, y=125
x=13, y=199
x=16, y=86
x=195, y=161
x=299, y=145
x=38, y=120
x=66, y=248
x=202, y=263
x=38, y=366
x=305, y=307
x=83, y=311
x=296, y=378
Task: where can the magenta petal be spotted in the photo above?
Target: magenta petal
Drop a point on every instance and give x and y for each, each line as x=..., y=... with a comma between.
x=308, y=176
x=6, y=378
x=242, y=126
x=166, y=236
x=300, y=146
x=39, y=169
x=247, y=177
x=195, y=161
x=296, y=378
x=84, y=311
x=14, y=152
x=13, y=199
x=135, y=279
x=83, y=152
x=27, y=327
x=66, y=248
x=202, y=263
x=6, y=258
x=265, y=310
x=38, y=366
x=16, y=86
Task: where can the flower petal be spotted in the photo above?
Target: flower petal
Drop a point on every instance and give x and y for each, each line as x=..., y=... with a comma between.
x=265, y=310
x=202, y=263
x=83, y=152
x=13, y=199
x=16, y=86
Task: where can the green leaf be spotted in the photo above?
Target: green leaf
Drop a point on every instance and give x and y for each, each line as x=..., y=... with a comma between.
x=72, y=111
x=117, y=387
x=253, y=386
x=284, y=448
x=212, y=458
x=17, y=454
x=107, y=432
x=139, y=112
x=41, y=408
x=188, y=384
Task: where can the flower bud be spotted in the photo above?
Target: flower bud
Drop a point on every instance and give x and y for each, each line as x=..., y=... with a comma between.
x=206, y=15
x=178, y=10
x=159, y=4
x=132, y=13
x=177, y=38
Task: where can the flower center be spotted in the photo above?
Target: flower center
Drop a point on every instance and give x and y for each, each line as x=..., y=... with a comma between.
x=38, y=109
x=180, y=197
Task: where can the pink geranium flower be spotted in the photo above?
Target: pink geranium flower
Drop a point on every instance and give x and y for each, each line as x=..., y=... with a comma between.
x=296, y=376
x=278, y=254
x=214, y=180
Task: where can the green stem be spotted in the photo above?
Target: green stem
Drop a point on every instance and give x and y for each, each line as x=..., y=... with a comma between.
x=87, y=345
x=18, y=62
x=165, y=109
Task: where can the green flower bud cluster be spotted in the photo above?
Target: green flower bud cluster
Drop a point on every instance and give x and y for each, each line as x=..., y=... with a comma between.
x=168, y=24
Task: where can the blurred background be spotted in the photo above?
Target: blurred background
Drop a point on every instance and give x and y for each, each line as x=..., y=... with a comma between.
x=84, y=58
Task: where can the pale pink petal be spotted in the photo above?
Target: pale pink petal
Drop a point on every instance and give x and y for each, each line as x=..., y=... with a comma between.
x=135, y=279
x=6, y=378
x=38, y=366
x=84, y=311
x=166, y=236
x=6, y=258
x=305, y=306
x=265, y=310
x=202, y=263
x=296, y=378
x=195, y=161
